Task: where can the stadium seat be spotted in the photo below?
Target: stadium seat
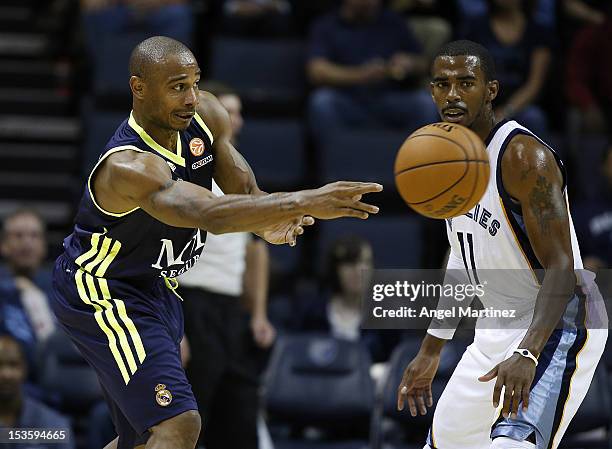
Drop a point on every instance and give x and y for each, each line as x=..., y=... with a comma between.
x=110, y=72
x=100, y=126
x=387, y=421
x=396, y=240
x=275, y=150
x=66, y=377
x=364, y=155
x=594, y=413
x=275, y=70
x=587, y=161
x=321, y=382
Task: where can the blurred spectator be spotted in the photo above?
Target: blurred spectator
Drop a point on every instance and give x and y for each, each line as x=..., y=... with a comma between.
x=101, y=18
x=349, y=268
x=589, y=76
x=594, y=222
x=589, y=12
x=257, y=17
x=429, y=20
x=24, y=284
x=365, y=63
x=226, y=322
x=17, y=410
x=521, y=49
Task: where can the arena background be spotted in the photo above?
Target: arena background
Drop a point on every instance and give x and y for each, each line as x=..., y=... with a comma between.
x=63, y=67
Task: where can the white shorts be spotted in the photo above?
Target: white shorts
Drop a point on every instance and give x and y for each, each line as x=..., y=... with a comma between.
x=465, y=416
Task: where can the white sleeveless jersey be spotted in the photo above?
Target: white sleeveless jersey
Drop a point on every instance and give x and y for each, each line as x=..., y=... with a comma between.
x=492, y=235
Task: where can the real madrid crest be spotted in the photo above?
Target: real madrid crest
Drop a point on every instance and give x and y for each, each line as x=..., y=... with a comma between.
x=162, y=396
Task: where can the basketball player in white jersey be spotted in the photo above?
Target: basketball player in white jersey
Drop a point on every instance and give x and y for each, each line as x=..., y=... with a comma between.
x=520, y=387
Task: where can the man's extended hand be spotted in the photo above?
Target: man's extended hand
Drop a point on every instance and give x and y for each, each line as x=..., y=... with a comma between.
x=340, y=199
x=283, y=233
x=516, y=374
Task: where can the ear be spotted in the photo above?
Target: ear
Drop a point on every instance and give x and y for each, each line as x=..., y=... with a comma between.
x=492, y=90
x=431, y=90
x=137, y=86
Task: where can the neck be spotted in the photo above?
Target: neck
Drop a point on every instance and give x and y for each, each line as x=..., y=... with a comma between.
x=483, y=125
x=165, y=137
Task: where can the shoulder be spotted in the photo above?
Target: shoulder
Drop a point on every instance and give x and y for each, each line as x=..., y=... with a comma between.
x=525, y=160
x=526, y=151
x=214, y=114
x=129, y=169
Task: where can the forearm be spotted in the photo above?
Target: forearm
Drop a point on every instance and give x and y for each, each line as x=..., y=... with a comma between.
x=432, y=346
x=327, y=73
x=557, y=289
x=186, y=205
x=256, y=278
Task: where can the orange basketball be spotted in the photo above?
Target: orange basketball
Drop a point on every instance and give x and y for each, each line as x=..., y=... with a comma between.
x=442, y=170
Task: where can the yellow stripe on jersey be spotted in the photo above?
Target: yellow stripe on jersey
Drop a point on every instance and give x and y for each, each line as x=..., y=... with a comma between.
x=204, y=127
x=101, y=255
x=101, y=271
x=175, y=157
x=112, y=341
x=110, y=316
x=95, y=238
x=129, y=324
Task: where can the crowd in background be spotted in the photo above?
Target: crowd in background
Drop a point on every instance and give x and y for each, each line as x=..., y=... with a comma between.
x=364, y=67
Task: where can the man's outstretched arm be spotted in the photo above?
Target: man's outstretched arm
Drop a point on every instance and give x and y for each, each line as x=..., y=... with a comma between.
x=129, y=179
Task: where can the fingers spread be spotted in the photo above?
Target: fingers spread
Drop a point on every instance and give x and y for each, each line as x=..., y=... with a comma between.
x=401, y=396
x=365, y=207
x=497, y=392
x=489, y=376
x=507, y=400
x=516, y=399
x=525, y=395
x=421, y=401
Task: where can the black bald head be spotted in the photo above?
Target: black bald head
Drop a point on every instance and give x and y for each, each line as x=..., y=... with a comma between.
x=153, y=53
x=164, y=83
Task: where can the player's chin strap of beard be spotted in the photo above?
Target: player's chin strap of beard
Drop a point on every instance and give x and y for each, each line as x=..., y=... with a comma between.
x=172, y=284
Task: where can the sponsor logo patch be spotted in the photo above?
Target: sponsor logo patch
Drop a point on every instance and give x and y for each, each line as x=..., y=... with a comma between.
x=196, y=146
x=202, y=162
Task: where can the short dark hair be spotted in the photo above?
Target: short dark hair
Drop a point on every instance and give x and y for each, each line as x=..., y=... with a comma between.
x=18, y=212
x=470, y=48
x=153, y=51
x=346, y=249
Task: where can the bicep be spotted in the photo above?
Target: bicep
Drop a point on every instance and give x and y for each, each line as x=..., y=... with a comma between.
x=147, y=183
x=532, y=176
x=547, y=221
x=232, y=171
